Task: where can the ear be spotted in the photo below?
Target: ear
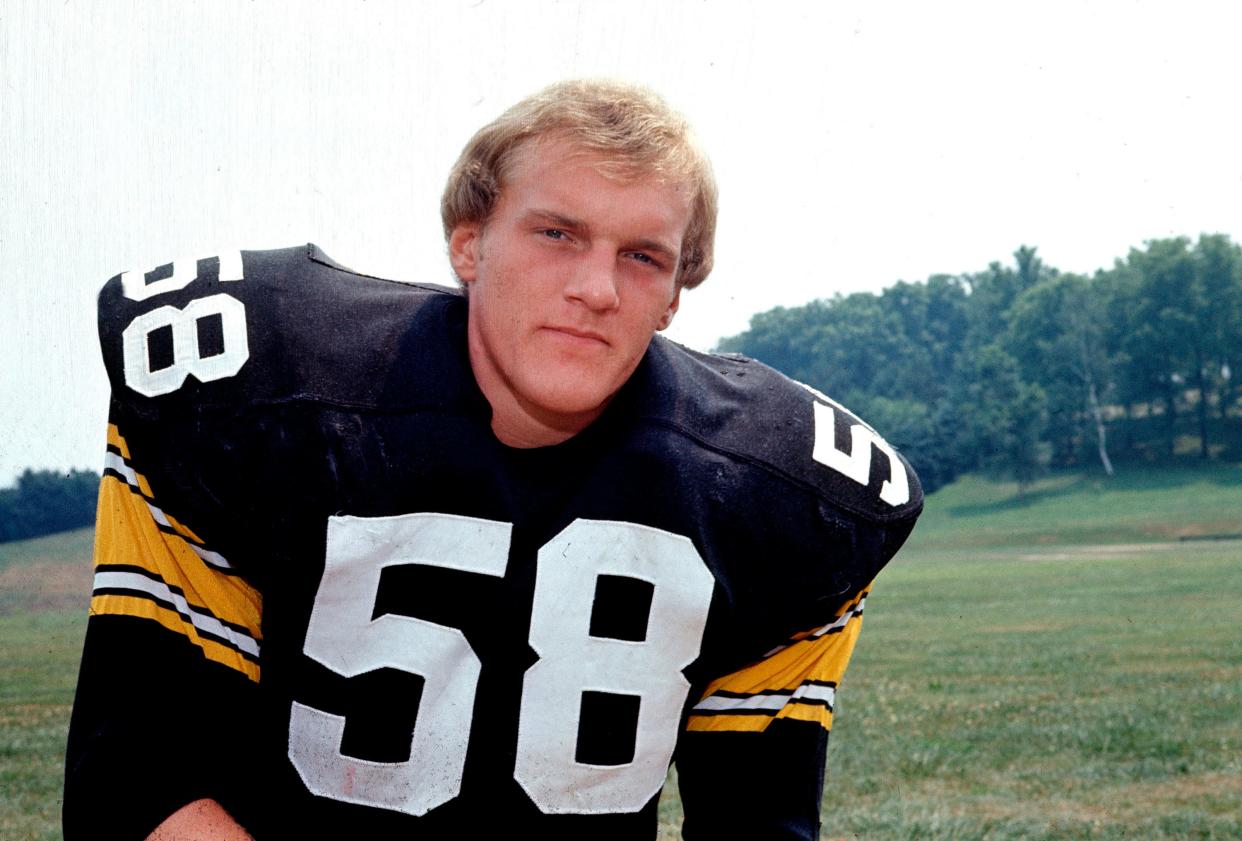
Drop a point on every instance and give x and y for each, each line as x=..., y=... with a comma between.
x=667, y=318
x=464, y=250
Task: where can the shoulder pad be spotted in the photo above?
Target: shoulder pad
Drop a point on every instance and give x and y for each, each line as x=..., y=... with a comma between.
x=742, y=407
x=263, y=326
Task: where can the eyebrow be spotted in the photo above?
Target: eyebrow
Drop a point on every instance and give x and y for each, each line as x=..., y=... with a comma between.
x=561, y=221
x=557, y=219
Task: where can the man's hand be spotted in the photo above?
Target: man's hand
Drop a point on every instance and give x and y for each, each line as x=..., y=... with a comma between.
x=202, y=820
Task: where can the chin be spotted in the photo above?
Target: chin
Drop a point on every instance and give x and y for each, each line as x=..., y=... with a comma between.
x=571, y=400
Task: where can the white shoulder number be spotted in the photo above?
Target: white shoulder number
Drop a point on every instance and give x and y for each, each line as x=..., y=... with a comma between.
x=187, y=358
x=855, y=464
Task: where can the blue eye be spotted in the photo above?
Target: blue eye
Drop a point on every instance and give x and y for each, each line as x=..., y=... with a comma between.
x=555, y=234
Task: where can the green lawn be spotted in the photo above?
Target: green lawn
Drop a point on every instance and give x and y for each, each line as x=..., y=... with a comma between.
x=1134, y=506
x=1056, y=666
x=44, y=591
x=1045, y=692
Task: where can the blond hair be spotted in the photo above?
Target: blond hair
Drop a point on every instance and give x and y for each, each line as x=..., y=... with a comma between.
x=634, y=132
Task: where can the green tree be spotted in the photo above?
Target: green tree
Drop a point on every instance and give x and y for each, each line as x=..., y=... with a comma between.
x=999, y=418
x=781, y=337
x=930, y=321
x=1217, y=302
x=993, y=292
x=1154, y=338
x=44, y=502
x=1057, y=332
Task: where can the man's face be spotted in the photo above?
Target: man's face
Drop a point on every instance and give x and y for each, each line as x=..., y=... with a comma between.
x=568, y=280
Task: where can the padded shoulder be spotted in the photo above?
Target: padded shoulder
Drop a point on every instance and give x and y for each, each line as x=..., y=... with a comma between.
x=256, y=326
x=744, y=408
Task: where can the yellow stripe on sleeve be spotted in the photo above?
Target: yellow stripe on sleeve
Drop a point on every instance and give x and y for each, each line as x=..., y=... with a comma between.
x=143, y=571
x=795, y=681
x=119, y=605
x=117, y=440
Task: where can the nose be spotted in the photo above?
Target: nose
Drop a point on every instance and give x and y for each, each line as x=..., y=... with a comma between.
x=594, y=281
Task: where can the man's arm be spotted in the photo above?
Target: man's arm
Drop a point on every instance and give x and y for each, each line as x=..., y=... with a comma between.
x=151, y=731
x=752, y=762
x=163, y=714
x=753, y=785
x=202, y=820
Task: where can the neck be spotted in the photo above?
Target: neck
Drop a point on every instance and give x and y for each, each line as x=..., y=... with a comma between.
x=519, y=423
x=515, y=423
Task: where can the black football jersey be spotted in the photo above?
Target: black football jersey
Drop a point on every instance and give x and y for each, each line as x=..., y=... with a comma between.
x=329, y=598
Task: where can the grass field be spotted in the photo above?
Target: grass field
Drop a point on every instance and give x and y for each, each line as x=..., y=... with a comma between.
x=1058, y=666
x=44, y=591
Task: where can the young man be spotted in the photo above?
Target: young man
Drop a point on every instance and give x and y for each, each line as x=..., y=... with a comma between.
x=382, y=561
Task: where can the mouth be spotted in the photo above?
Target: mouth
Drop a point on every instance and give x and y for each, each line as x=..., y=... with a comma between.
x=577, y=334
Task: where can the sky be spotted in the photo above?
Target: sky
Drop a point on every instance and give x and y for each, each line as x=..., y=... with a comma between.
x=855, y=143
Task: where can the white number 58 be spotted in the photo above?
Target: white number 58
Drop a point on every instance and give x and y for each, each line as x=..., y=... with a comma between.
x=343, y=636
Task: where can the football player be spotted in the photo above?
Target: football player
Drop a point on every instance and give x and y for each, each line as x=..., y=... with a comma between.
x=388, y=561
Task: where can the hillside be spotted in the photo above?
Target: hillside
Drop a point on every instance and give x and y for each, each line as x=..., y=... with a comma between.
x=46, y=573
x=1149, y=504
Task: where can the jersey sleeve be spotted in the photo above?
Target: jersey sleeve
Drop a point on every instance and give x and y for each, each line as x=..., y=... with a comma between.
x=169, y=670
x=751, y=763
x=752, y=760
x=797, y=680
x=164, y=712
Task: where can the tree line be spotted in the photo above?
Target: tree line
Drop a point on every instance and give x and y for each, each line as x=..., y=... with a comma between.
x=43, y=502
x=1019, y=368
